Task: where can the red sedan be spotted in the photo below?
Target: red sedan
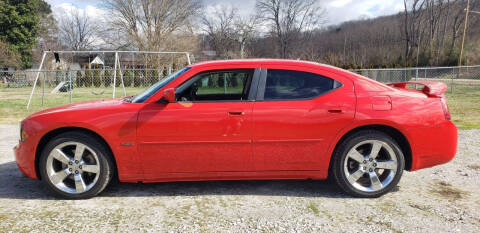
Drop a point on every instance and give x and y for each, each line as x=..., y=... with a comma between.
x=243, y=119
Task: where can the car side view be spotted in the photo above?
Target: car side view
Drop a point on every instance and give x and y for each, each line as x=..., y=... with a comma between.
x=243, y=119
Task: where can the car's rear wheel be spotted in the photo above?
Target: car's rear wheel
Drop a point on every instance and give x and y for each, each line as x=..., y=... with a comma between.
x=368, y=164
x=75, y=165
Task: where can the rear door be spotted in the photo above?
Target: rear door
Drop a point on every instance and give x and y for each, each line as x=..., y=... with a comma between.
x=297, y=113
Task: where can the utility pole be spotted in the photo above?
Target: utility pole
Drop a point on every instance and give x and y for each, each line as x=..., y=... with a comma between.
x=464, y=32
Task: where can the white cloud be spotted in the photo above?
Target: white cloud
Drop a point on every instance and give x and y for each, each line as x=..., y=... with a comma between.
x=66, y=8
x=336, y=11
x=339, y=3
x=95, y=15
x=339, y=11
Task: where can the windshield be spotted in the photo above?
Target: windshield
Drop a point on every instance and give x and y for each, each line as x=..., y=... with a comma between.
x=157, y=86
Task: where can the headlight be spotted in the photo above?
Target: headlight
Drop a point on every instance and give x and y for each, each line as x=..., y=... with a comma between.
x=23, y=134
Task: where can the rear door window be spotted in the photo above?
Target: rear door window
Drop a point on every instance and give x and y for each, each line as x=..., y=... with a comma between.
x=296, y=85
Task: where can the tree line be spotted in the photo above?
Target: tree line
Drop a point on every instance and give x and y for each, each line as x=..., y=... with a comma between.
x=425, y=33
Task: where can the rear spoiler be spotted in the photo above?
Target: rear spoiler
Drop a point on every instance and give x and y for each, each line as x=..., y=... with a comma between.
x=430, y=88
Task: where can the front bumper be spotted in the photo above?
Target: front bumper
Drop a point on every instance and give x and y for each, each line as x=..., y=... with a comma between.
x=25, y=157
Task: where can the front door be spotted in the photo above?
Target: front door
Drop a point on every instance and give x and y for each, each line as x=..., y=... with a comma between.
x=296, y=116
x=208, y=129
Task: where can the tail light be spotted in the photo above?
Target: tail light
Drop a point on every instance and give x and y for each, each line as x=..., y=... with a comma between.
x=446, y=111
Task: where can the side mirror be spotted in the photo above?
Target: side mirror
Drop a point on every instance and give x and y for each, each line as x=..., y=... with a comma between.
x=169, y=95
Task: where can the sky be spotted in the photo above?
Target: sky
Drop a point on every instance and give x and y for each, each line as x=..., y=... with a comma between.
x=337, y=11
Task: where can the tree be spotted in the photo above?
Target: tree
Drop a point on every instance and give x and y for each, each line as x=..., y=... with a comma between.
x=8, y=57
x=19, y=27
x=287, y=19
x=245, y=28
x=219, y=27
x=227, y=31
x=148, y=25
x=47, y=38
x=77, y=30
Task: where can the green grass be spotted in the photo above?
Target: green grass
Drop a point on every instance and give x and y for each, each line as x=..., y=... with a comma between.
x=13, y=101
x=464, y=101
x=464, y=105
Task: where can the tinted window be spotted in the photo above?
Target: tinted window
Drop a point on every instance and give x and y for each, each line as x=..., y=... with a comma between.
x=217, y=86
x=289, y=84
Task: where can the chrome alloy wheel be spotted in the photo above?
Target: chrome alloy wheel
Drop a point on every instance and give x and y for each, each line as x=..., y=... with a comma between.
x=73, y=167
x=370, y=165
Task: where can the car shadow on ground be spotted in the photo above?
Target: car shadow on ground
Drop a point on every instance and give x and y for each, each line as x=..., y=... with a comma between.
x=14, y=185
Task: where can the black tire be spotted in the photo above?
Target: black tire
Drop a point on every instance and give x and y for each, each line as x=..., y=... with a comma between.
x=106, y=170
x=346, y=145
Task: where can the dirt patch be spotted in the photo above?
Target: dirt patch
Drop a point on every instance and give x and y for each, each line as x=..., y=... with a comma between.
x=474, y=167
x=446, y=190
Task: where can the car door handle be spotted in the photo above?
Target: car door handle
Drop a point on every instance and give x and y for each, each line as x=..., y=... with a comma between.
x=236, y=113
x=335, y=110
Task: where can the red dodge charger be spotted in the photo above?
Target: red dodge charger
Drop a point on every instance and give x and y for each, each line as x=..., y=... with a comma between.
x=243, y=119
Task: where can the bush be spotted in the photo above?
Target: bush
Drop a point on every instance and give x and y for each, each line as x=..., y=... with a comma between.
x=79, y=80
x=88, y=77
x=97, y=82
x=220, y=81
x=153, y=76
x=137, y=81
x=118, y=80
x=107, y=78
x=165, y=72
x=211, y=83
x=127, y=78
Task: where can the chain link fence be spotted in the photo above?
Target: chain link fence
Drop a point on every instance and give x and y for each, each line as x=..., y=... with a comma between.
x=56, y=87
x=457, y=78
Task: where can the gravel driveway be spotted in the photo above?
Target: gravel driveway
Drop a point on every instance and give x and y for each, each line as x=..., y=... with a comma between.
x=445, y=198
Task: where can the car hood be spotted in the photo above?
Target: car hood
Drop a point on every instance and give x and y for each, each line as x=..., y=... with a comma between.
x=93, y=104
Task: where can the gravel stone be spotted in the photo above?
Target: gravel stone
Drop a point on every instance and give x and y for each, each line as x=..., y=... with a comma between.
x=444, y=198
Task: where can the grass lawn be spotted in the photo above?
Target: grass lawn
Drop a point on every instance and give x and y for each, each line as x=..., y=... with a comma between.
x=464, y=105
x=13, y=101
x=464, y=102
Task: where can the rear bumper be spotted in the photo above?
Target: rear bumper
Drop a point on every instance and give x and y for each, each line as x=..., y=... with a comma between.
x=25, y=157
x=434, y=146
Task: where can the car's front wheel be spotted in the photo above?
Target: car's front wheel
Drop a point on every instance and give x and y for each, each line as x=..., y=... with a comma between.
x=75, y=165
x=368, y=164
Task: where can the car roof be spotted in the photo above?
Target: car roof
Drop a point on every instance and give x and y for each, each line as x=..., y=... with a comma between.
x=255, y=61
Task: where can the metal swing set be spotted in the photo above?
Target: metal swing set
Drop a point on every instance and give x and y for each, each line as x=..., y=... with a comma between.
x=116, y=62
